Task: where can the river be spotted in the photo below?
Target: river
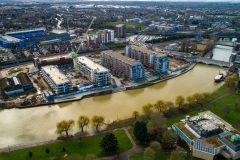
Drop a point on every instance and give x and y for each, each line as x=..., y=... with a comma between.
x=39, y=124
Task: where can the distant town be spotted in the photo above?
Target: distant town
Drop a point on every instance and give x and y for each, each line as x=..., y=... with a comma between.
x=54, y=53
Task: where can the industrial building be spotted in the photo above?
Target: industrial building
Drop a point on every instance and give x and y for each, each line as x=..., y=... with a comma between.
x=16, y=85
x=122, y=66
x=63, y=61
x=32, y=37
x=149, y=58
x=120, y=31
x=57, y=80
x=97, y=74
x=208, y=136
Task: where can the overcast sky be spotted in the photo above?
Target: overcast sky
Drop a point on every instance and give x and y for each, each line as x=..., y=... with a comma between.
x=136, y=0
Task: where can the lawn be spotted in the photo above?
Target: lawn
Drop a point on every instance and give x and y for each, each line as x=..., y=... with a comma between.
x=75, y=149
x=159, y=156
x=231, y=100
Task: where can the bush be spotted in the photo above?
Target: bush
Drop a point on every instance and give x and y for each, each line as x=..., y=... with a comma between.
x=156, y=146
x=64, y=149
x=149, y=154
x=140, y=132
x=109, y=143
x=47, y=151
x=30, y=154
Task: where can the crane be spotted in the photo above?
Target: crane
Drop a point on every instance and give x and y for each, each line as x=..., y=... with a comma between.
x=75, y=51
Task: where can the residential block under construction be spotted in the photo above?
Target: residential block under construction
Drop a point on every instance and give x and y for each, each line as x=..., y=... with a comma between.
x=122, y=66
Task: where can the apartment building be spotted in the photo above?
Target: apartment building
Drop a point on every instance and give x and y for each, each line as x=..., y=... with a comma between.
x=97, y=74
x=57, y=80
x=122, y=66
x=120, y=31
x=149, y=58
x=101, y=37
x=208, y=136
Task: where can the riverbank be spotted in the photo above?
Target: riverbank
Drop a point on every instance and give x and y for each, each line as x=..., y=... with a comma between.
x=75, y=149
x=219, y=99
x=112, y=107
x=78, y=97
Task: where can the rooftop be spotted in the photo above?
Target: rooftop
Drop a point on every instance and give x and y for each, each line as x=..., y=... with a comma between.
x=94, y=66
x=120, y=25
x=10, y=39
x=55, y=74
x=188, y=133
x=25, y=31
x=119, y=56
x=57, y=31
x=146, y=50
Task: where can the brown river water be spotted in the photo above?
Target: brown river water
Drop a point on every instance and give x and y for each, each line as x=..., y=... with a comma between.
x=21, y=126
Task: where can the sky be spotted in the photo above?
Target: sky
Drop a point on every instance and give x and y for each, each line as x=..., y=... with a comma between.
x=141, y=0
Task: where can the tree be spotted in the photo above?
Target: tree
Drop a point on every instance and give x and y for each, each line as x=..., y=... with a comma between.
x=30, y=154
x=160, y=106
x=156, y=146
x=178, y=154
x=97, y=122
x=169, y=105
x=156, y=125
x=190, y=100
x=65, y=126
x=135, y=115
x=149, y=154
x=169, y=139
x=109, y=143
x=147, y=109
x=140, y=131
x=47, y=151
x=231, y=81
x=198, y=98
x=180, y=101
x=83, y=121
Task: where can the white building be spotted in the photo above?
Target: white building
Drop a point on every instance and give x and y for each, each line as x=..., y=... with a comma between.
x=57, y=80
x=96, y=73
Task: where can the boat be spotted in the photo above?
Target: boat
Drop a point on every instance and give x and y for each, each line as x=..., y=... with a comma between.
x=219, y=78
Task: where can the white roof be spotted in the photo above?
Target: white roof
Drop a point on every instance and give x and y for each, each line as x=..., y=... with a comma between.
x=92, y=65
x=55, y=74
x=10, y=39
x=57, y=31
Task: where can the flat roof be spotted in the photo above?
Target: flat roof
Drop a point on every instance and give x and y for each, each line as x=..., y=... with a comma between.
x=94, y=66
x=58, y=31
x=10, y=39
x=24, y=31
x=119, y=56
x=55, y=74
x=120, y=25
x=146, y=50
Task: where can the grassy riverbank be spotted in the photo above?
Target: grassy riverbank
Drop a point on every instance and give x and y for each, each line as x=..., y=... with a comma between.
x=223, y=102
x=75, y=149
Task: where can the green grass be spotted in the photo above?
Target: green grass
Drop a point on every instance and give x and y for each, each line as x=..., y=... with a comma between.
x=231, y=99
x=159, y=156
x=76, y=149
